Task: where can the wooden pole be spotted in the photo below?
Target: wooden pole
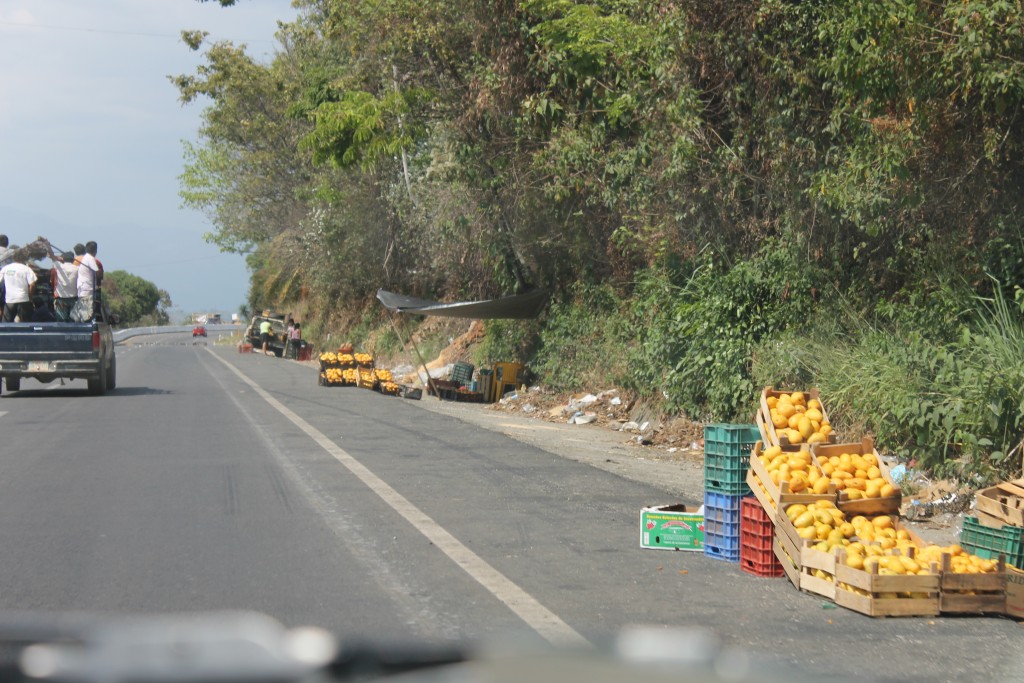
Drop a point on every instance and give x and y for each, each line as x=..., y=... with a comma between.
x=430, y=381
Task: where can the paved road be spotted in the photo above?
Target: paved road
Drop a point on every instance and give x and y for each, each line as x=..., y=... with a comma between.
x=210, y=479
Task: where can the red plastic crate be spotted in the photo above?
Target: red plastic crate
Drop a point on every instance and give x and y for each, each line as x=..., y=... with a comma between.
x=756, y=536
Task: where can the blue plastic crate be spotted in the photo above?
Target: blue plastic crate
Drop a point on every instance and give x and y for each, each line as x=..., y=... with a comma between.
x=722, y=526
x=726, y=550
x=721, y=507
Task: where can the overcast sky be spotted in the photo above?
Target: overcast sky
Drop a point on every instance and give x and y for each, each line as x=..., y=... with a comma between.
x=91, y=133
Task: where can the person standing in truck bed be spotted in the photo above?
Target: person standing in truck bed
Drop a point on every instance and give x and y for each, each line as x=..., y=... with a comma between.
x=87, y=280
x=6, y=253
x=64, y=281
x=19, y=286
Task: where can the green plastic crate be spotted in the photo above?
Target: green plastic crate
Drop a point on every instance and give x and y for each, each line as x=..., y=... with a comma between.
x=990, y=543
x=727, y=457
x=734, y=440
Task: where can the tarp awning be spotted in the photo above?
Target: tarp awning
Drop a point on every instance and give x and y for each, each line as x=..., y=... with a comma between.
x=519, y=306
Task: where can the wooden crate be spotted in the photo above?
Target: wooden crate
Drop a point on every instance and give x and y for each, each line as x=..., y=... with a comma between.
x=771, y=495
x=813, y=560
x=789, y=565
x=1014, y=593
x=882, y=590
x=1003, y=503
x=774, y=438
x=890, y=505
x=972, y=593
x=770, y=438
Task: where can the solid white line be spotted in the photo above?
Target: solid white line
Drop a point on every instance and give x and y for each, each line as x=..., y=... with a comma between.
x=529, y=609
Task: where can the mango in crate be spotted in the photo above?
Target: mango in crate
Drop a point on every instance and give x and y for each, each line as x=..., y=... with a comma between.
x=798, y=418
x=796, y=468
x=857, y=474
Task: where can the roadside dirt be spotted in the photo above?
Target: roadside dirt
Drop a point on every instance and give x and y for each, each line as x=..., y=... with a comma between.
x=623, y=435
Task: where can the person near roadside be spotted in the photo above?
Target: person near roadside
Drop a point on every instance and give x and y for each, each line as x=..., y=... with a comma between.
x=84, y=308
x=64, y=282
x=288, y=337
x=19, y=286
x=294, y=340
x=6, y=253
x=266, y=329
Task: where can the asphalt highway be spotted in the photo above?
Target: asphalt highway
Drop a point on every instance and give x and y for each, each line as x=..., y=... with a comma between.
x=210, y=480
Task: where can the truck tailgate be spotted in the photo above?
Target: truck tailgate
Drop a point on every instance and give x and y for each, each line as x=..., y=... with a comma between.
x=25, y=341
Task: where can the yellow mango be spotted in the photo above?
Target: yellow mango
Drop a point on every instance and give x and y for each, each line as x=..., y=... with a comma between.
x=882, y=522
x=804, y=520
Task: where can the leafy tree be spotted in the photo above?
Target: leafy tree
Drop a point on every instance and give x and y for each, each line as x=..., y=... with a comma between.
x=134, y=299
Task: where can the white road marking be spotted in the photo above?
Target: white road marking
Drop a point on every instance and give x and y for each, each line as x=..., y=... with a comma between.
x=545, y=622
x=2, y=413
x=530, y=427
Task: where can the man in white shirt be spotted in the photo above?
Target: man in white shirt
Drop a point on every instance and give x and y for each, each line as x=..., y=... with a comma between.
x=64, y=281
x=19, y=286
x=87, y=270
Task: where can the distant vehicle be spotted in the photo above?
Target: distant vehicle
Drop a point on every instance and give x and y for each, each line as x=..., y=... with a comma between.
x=198, y=331
x=278, y=338
x=46, y=351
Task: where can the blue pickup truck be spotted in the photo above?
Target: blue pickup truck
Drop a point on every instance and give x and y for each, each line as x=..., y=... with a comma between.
x=47, y=351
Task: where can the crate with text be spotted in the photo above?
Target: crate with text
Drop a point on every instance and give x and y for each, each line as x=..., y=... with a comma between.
x=672, y=527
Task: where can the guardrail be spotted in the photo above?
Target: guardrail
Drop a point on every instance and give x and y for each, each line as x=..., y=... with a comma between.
x=121, y=335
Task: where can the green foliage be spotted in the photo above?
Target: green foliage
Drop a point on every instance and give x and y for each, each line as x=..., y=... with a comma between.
x=854, y=168
x=134, y=299
x=360, y=128
x=507, y=341
x=697, y=328
x=582, y=340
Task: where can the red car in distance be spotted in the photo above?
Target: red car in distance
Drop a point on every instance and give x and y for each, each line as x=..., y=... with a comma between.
x=198, y=331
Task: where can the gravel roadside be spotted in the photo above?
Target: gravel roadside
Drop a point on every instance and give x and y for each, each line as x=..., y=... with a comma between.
x=680, y=473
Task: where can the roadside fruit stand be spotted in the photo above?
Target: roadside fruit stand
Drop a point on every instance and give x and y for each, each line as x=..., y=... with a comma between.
x=825, y=513
x=348, y=368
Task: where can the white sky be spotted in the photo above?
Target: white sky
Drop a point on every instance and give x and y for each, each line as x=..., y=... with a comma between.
x=91, y=131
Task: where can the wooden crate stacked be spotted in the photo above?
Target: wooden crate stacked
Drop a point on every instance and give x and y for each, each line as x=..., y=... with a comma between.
x=727, y=449
x=901, y=575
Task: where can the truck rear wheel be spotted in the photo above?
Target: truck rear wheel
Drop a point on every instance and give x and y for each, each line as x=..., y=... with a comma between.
x=98, y=385
x=13, y=383
x=112, y=374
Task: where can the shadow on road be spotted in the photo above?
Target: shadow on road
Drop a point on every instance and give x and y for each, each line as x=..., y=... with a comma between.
x=80, y=391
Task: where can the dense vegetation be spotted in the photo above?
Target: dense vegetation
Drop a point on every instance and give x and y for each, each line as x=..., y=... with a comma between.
x=720, y=195
x=136, y=301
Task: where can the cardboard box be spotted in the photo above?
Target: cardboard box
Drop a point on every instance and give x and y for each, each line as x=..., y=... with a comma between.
x=672, y=527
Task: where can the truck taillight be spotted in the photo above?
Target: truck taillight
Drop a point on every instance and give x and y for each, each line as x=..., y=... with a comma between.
x=95, y=339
